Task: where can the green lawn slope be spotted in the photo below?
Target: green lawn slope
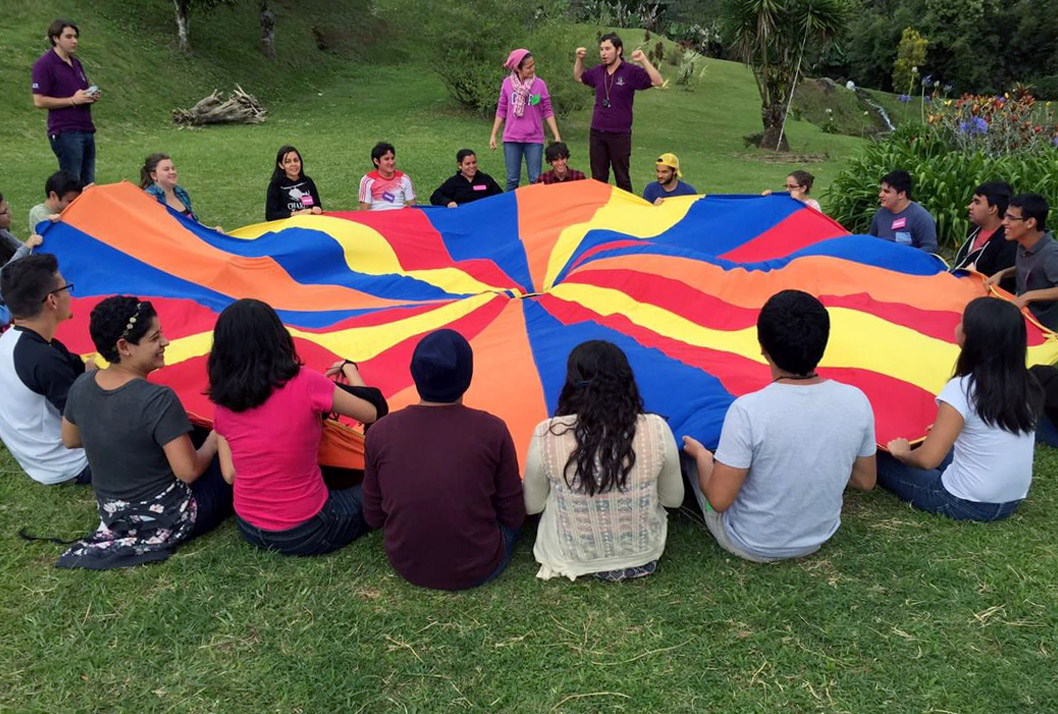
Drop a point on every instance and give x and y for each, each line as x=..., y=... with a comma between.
x=900, y=612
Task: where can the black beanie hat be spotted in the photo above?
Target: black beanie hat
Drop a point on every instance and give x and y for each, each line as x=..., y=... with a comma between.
x=442, y=366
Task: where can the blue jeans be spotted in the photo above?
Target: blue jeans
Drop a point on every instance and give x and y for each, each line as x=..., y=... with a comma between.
x=213, y=497
x=339, y=523
x=513, y=151
x=1046, y=433
x=923, y=489
x=76, y=151
x=510, y=537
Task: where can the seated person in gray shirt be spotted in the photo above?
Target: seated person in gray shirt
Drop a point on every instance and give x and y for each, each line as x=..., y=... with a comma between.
x=900, y=219
x=1036, y=264
x=154, y=489
x=774, y=489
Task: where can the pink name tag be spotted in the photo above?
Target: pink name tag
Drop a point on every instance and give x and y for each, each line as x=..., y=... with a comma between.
x=900, y=223
x=480, y=187
x=306, y=200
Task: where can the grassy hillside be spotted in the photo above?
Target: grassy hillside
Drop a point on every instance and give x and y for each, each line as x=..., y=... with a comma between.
x=335, y=105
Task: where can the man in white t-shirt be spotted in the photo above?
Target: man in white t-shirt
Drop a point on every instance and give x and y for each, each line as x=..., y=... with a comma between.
x=385, y=188
x=774, y=488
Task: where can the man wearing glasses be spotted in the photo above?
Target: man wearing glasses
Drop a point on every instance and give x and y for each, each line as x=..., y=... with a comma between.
x=36, y=371
x=1036, y=265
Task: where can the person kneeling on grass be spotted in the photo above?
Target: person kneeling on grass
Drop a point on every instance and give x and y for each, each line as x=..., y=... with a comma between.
x=467, y=185
x=269, y=421
x=787, y=452
x=441, y=479
x=601, y=455
x=154, y=489
x=976, y=463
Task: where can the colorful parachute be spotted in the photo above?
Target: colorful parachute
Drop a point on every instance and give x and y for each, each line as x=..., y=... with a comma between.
x=525, y=277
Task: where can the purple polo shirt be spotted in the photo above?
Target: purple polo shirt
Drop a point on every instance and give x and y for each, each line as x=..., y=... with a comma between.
x=621, y=87
x=54, y=78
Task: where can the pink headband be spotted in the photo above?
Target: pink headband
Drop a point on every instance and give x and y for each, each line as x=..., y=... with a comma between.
x=515, y=58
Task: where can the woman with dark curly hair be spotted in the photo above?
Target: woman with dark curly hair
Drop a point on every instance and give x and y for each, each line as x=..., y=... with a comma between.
x=602, y=472
x=155, y=490
x=269, y=419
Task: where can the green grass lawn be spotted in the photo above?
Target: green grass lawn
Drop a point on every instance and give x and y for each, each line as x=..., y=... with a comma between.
x=900, y=612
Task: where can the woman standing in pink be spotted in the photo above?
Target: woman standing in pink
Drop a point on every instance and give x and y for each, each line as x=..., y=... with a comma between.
x=525, y=105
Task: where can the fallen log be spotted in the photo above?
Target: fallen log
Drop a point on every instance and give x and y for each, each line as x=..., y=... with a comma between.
x=239, y=108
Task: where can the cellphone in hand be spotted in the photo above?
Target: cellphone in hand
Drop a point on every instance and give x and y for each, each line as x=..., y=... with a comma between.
x=93, y=90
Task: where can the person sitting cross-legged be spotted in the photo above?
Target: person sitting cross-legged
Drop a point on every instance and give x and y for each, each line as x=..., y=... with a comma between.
x=269, y=421
x=36, y=371
x=441, y=479
x=976, y=462
x=154, y=489
x=774, y=489
x=601, y=455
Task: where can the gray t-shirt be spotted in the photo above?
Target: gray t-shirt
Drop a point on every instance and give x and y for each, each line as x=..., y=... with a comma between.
x=913, y=226
x=799, y=443
x=37, y=214
x=1038, y=270
x=123, y=431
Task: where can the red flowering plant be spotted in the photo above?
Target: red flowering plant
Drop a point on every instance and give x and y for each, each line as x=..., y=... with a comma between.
x=1013, y=123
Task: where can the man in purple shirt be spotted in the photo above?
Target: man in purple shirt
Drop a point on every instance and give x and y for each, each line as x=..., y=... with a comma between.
x=615, y=82
x=61, y=87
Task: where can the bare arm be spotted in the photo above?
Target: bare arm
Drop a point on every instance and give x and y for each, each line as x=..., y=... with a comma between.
x=578, y=64
x=71, y=435
x=655, y=76
x=41, y=101
x=936, y=446
x=864, y=473
x=227, y=465
x=996, y=277
x=1031, y=296
x=719, y=482
x=365, y=206
x=186, y=462
x=553, y=125
x=496, y=124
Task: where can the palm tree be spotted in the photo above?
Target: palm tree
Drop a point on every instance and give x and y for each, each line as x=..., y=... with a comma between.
x=775, y=37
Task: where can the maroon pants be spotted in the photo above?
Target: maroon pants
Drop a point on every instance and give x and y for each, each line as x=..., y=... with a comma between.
x=606, y=149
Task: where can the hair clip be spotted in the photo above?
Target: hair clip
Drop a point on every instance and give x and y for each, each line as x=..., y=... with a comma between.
x=132, y=321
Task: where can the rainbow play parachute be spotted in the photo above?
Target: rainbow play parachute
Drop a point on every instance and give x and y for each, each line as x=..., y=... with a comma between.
x=526, y=276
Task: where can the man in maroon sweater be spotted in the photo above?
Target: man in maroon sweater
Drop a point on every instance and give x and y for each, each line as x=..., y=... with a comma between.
x=442, y=479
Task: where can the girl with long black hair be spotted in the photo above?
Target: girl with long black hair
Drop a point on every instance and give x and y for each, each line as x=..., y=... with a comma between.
x=269, y=425
x=291, y=192
x=987, y=412
x=602, y=471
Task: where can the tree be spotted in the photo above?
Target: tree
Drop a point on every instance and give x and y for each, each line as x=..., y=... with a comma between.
x=777, y=39
x=183, y=17
x=910, y=57
x=268, y=29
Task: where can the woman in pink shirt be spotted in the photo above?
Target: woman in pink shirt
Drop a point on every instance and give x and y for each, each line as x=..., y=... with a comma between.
x=269, y=425
x=525, y=104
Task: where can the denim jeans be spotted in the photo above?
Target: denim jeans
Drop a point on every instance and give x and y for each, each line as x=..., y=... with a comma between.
x=510, y=537
x=1046, y=432
x=923, y=489
x=513, y=151
x=339, y=523
x=213, y=497
x=76, y=151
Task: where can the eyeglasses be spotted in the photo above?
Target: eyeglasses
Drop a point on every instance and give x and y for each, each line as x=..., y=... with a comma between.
x=56, y=291
x=1014, y=218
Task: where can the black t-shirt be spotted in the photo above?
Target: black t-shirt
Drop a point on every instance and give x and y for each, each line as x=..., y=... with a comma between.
x=123, y=431
x=458, y=189
x=286, y=196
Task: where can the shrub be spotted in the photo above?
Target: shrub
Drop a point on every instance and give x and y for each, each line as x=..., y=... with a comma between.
x=467, y=42
x=1013, y=123
x=944, y=179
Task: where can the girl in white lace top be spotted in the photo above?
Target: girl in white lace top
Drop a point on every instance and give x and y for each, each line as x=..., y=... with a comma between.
x=602, y=472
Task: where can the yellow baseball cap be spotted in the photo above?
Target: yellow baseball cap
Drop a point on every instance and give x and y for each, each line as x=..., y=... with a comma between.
x=672, y=161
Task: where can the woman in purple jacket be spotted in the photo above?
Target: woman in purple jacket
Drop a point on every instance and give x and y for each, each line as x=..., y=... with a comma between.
x=525, y=104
